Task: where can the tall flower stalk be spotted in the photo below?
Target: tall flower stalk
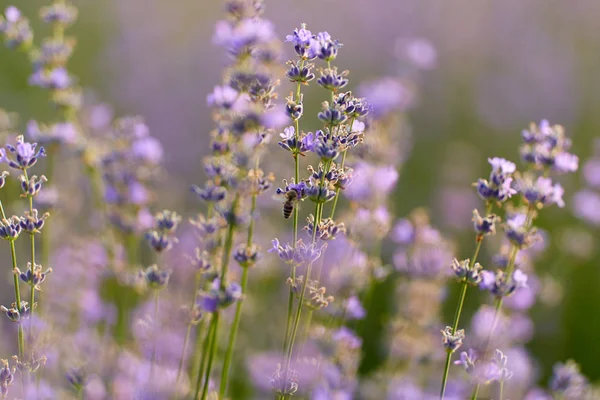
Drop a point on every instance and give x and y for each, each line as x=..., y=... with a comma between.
x=321, y=186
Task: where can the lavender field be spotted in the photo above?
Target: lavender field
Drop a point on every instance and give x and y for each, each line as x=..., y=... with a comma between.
x=321, y=200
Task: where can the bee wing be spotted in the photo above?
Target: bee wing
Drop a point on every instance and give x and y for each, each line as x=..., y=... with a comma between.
x=279, y=197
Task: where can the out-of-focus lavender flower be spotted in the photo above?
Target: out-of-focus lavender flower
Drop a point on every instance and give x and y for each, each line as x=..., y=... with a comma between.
x=387, y=95
x=591, y=172
x=499, y=285
x=419, y=51
x=57, y=78
x=403, y=232
x=217, y=298
x=467, y=360
x=586, y=205
x=354, y=309
x=541, y=192
x=15, y=28
x=518, y=232
x=240, y=37
x=567, y=381
x=546, y=147
x=371, y=183
x=62, y=132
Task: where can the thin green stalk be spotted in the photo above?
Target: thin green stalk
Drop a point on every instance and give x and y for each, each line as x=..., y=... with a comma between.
x=205, y=346
x=189, y=328
x=457, y=314
x=224, y=267
x=32, y=250
x=46, y=237
x=232, y=338
x=153, y=356
x=501, y=390
x=509, y=271
x=296, y=322
x=294, y=224
x=13, y=253
x=475, y=392
x=238, y=309
x=211, y=355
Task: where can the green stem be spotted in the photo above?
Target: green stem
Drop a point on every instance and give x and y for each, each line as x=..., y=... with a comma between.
x=21, y=338
x=232, y=338
x=13, y=253
x=189, y=329
x=294, y=225
x=475, y=392
x=211, y=355
x=238, y=309
x=459, y=307
x=224, y=267
x=32, y=250
x=509, y=271
x=153, y=356
x=501, y=390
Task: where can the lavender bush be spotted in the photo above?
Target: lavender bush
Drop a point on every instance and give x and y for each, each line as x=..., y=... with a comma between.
x=271, y=287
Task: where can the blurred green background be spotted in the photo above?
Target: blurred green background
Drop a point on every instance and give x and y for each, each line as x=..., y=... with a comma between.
x=500, y=65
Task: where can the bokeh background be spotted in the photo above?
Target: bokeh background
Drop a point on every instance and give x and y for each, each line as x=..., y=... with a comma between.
x=498, y=66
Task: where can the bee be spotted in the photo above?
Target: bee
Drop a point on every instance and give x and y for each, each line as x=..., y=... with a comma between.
x=290, y=201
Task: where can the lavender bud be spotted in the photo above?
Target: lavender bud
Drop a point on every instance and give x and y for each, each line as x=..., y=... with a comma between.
x=167, y=221
x=33, y=186
x=10, y=228
x=160, y=241
x=452, y=341
x=154, y=277
x=31, y=223
x=465, y=274
x=331, y=80
x=499, y=285
x=59, y=12
x=300, y=73
x=246, y=255
x=210, y=192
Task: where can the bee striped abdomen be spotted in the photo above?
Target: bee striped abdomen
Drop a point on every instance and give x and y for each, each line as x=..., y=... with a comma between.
x=288, y=208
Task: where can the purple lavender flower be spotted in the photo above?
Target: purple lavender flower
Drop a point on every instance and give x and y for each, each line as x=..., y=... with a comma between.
x=56, y=78
x=546, y=147
x=63, y=132
x=15, y=28
x=567, y=380
x=518, y=232
x=354, y=308
x=467, y=360
x=25, y=154
x=147, y=149
x=305, y=44
x=586, y=206
x=499, y=285
x=541, y=192
x=499, y=188
x=591, y=172
x=287, y=253
x=387, y=95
